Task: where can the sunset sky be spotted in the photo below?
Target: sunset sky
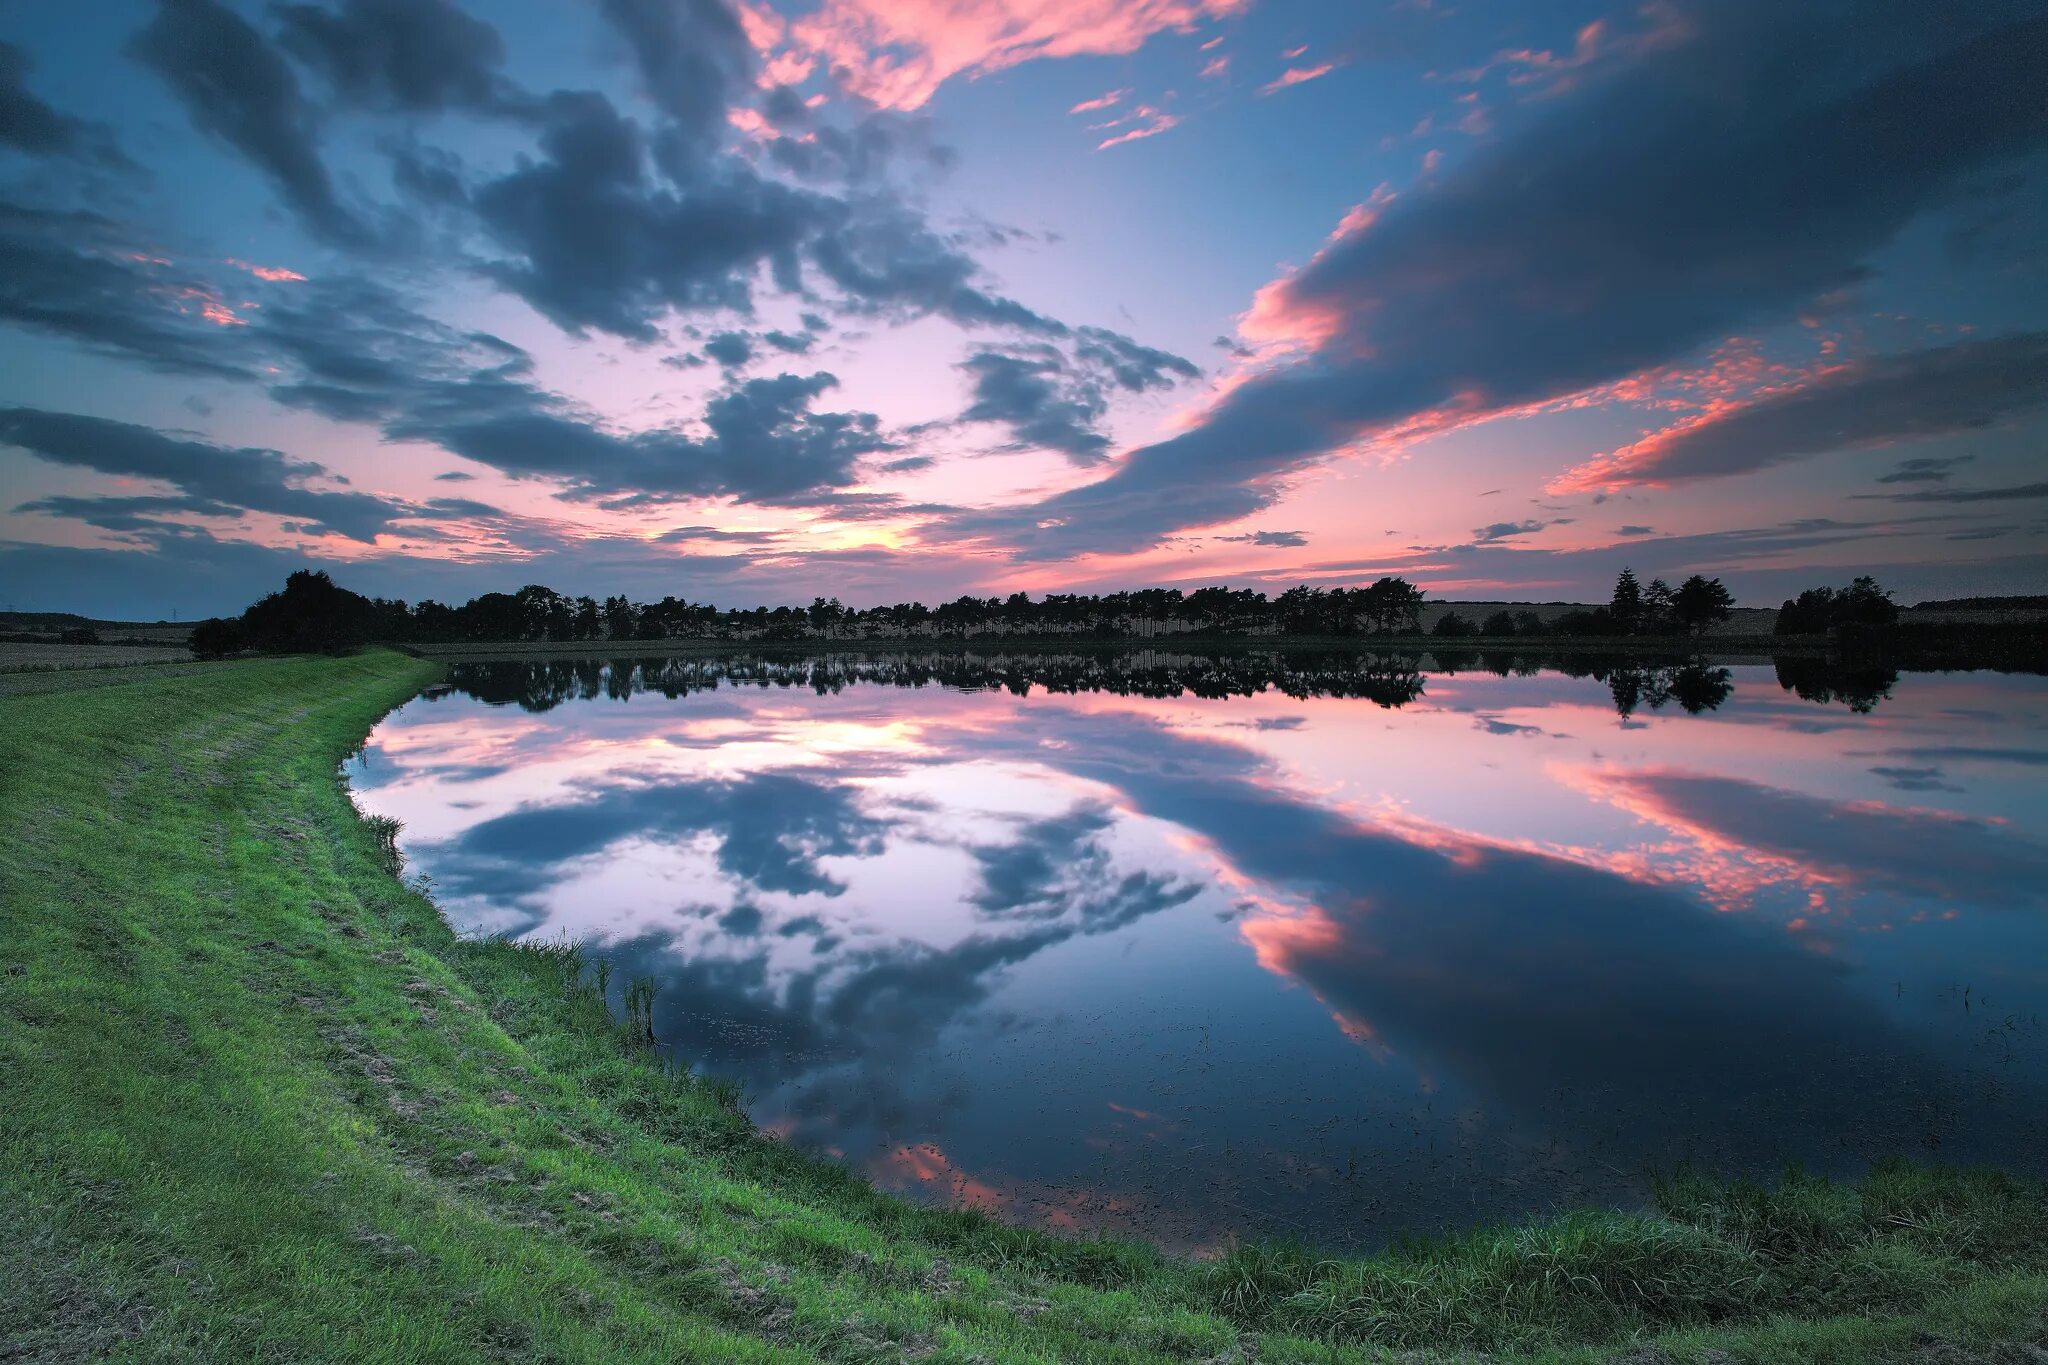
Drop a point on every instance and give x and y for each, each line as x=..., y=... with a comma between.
x=748, y=301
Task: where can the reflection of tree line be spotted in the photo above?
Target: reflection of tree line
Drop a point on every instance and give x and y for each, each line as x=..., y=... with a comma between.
x=1389, y=680
x=538, y=685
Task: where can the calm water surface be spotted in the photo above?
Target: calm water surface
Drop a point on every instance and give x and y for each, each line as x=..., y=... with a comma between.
x=1370, y=949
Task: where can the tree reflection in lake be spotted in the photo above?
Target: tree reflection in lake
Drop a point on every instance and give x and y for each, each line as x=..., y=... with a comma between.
x=1276, y=943
x=1389, y=680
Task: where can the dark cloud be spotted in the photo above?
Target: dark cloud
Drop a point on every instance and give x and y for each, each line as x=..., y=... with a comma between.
x=1720, y=181
x=1506, y=530
x=2012, y=493
x=730, y=349
x=597, y=242
x=352, y=351
x=78, y=275
x=1915, y=779
x=692, y=55
x=1637, y=531
x=30, y=124
x=238, y=88
x=415, y=55
x=1128, y=365
x=128, y=515
x=1043, y=403
x=790, y=343
x=680, y=534
x=764, y=442
x=1879, y=401
x=887, y=260
x=597, y=239
x=1271, y=538
x=1054, y=395
x=1930, y=469
x=862, y=155
x=252, y=479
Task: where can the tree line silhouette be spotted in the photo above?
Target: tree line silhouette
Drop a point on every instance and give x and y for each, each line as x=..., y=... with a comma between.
x=314, y=614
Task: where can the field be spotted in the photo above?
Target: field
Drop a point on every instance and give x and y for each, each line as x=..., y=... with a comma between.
x=257, y=1102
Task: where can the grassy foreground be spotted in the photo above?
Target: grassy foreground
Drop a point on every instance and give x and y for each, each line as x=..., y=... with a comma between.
x=257, y=1103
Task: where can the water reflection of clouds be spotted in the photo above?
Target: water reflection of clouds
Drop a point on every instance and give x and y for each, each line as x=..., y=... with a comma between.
x=841, y=892
x=1862, y=846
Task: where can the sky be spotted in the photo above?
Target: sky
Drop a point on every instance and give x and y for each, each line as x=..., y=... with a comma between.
x=750, y=301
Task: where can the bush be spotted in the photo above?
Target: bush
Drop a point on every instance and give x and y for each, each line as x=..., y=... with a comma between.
x=1451, y=626
x=311, y=616
x=1598, y=621
x=1500, y=623
x=1817, y=610
x=217, y=639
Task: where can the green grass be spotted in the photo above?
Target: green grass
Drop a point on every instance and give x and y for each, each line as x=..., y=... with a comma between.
x=258, y=1103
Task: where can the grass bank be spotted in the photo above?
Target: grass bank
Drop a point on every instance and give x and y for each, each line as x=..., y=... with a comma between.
x=257, y=1103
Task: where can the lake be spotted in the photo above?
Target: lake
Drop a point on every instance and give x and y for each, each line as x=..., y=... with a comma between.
x=1324, y=946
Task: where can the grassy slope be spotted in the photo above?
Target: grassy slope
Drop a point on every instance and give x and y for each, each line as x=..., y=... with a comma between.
x=258, y=1103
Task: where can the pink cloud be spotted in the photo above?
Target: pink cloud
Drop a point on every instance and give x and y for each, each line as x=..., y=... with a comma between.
x=897, y=53
x=1217, y=66
x=273, y=273
x=1150, y=123
x=1102, y=101
x=1297, y=75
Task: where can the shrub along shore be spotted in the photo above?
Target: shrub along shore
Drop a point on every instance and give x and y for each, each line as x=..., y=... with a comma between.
x=258, y=1102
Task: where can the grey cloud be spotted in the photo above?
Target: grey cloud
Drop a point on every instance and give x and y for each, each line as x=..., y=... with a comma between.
x=2012, y=493
x=1031, y=391
x=1270, y=538
x=237, y=87
x=1053, y=395
x=597, y=243
x=75, y=274
x=1885, y=399
x=128, y=515
x=258, y=480
x=730, y=349
x=1930, y=469
x=764, y=442
x=399, y=54
x=691, y=54
x=29, y=124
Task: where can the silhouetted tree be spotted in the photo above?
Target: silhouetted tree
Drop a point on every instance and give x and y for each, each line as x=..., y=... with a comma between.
x=1500, y=623
x=1626, y=606
x=1700, y=602
x=1659, y=609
